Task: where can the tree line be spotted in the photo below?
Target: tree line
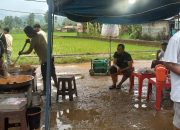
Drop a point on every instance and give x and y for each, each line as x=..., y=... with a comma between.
x=18, y=23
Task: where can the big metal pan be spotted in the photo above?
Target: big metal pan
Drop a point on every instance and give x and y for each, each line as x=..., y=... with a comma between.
x=15, y=82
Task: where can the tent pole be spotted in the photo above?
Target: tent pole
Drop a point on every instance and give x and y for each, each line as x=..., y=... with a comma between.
x=110, y=50
x=48, y=75
x=178, y=21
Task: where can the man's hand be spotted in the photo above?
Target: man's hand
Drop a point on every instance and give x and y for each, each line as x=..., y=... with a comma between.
x=116, y=66
x=20, y=53
x=28, y=40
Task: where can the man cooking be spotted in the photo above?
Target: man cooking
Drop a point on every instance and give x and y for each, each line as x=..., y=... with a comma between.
x=39, y=44
x=2, y=51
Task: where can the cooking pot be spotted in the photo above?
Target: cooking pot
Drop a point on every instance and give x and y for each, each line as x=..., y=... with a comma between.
x=15, y=82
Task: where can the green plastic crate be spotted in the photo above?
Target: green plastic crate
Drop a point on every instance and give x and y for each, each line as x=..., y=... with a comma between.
x=99, y=66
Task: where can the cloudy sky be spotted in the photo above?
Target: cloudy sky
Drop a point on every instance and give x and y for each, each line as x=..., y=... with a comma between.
x=22, y=6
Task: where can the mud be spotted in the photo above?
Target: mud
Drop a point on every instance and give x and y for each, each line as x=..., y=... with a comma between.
x=98, y=108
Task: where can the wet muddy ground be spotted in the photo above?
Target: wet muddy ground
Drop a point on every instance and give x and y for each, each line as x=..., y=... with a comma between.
x=98, y=108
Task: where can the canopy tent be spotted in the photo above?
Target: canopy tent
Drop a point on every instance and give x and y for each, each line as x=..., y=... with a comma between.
x=105, y=11
x=116, y=11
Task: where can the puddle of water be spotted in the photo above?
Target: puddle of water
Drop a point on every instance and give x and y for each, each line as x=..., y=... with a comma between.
x=135, y=93
x=79, y=114
x=143, y=105
x=69, y=116
x=57, y=124
x=162, y=120
x=136, y=105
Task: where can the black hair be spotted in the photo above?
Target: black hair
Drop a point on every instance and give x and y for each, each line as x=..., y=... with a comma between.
x=121, y=45
x=6, y=29
x=37, y=25
x=164, y=43
x=29, y=30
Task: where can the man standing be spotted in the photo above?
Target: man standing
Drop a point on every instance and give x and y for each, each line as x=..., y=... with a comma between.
x=122, y=64
x=38, y=29
x=3, y=46
x=172, y=62
x=39, y=44
x=9, y=40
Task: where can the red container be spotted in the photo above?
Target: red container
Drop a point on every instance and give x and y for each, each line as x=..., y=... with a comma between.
x=161, y=72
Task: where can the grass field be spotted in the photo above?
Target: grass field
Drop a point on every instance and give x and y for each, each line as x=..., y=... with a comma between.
x=65, y=46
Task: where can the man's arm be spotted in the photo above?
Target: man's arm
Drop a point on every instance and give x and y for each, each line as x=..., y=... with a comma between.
x=173, y=67
x=30, y=48
x=130, y=64
x=115, y=63
x=157, y=54
x=26, y=52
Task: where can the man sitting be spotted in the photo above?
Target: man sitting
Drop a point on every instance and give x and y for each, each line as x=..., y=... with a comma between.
x=122, y=64
x=159, y=55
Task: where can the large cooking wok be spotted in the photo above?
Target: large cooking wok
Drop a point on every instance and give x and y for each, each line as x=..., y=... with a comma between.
x=15, y=82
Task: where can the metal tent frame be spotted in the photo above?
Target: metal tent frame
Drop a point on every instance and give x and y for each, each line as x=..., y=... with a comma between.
x=68, y=6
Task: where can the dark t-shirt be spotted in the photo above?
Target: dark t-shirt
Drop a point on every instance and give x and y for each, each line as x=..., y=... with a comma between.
x=122, y=59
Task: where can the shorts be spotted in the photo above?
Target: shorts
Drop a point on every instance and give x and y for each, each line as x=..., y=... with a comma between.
x=176, y=119
x=127, y=72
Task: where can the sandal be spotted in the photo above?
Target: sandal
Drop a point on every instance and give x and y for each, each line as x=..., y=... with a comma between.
x=118, y=86
x=112, y=87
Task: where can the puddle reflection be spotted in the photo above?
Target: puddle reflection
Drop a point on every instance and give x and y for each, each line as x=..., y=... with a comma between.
x=57, y=124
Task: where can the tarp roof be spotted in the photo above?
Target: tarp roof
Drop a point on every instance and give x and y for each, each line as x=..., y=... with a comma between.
x=117, y=11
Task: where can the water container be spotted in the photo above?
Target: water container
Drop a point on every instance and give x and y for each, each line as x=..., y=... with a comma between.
x=34, y=117
x=161, y=72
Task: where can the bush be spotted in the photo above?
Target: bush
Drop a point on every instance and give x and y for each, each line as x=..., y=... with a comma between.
x=161, y=36
x=147, y=37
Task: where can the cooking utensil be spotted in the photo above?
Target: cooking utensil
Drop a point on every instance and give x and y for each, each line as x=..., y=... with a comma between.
x=20, y=55
x=16, y=82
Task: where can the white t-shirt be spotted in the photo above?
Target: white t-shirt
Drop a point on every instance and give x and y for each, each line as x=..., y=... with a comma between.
x=44, y=34
x=9, y=40
x=172, y=54
x=161, y=55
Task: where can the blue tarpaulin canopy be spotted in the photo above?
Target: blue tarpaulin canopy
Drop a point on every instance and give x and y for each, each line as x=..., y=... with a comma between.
x=105, y=11
x=117, y=11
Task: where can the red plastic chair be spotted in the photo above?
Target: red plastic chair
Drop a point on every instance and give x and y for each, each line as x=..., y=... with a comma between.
x=159, y=82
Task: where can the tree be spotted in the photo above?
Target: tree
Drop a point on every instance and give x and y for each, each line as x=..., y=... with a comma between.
x=46, y=17
x=1, y=24
x=30, y=19
x=66, y=21
x=9, y=21
x=17, y=22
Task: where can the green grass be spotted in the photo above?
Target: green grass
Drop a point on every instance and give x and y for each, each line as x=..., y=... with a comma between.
x=65, y=33
x=79, y=46
x=124, y=36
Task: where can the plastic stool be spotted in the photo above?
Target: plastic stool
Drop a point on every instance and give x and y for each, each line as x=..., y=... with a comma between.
x=21, y=114
x=65, y=87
